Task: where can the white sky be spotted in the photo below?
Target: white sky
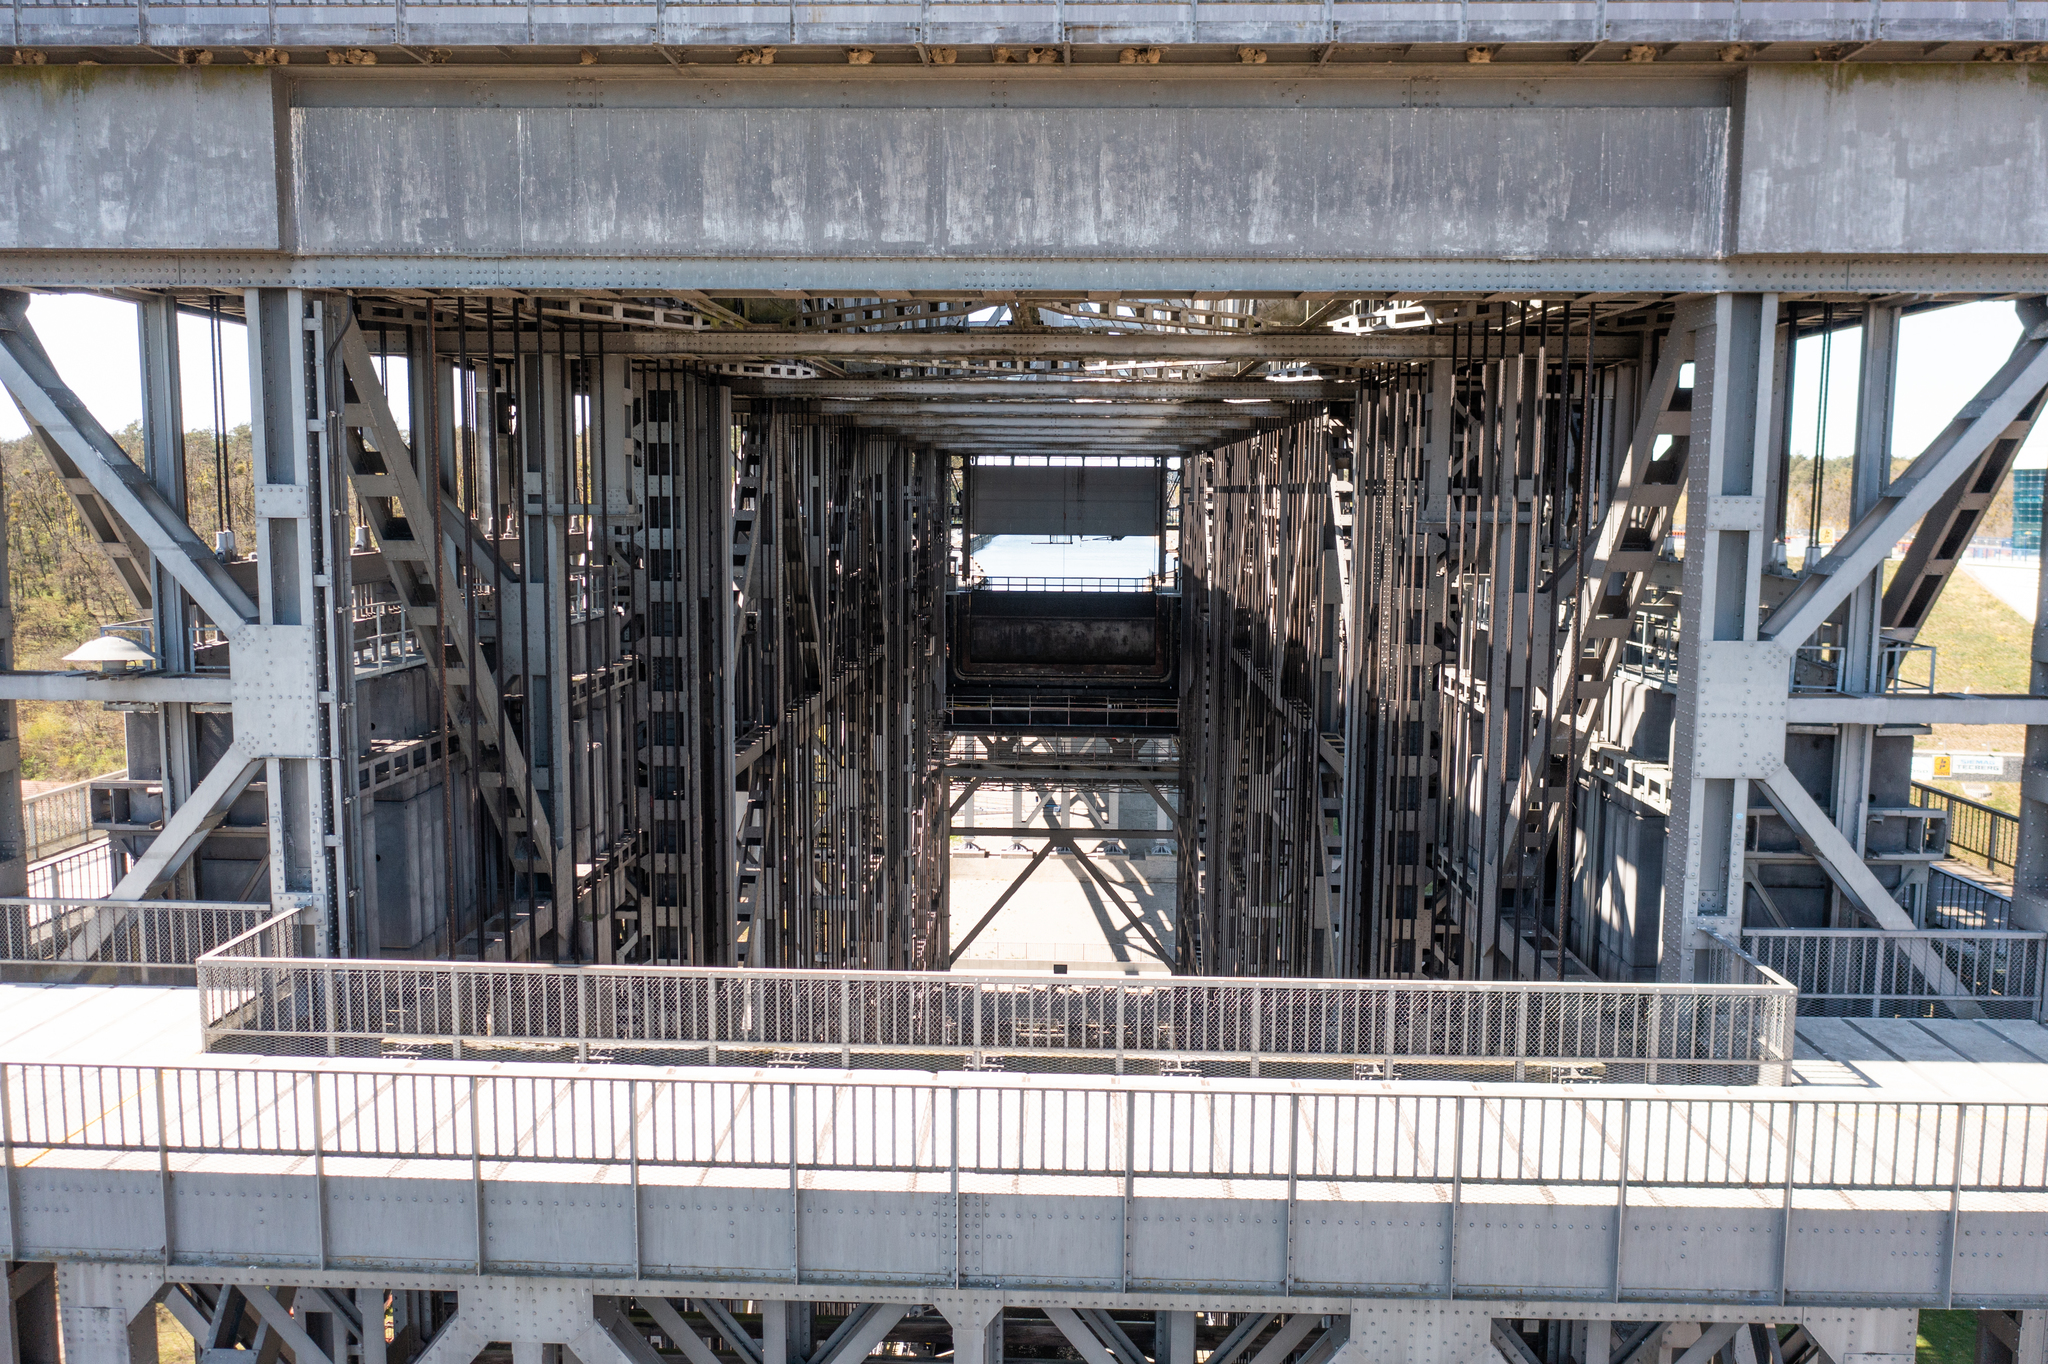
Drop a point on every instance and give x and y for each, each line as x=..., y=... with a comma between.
x=93, y=343
x=1944, y=356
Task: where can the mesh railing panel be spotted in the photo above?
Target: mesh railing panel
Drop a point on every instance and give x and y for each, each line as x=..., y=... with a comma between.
x=266, y=1002
x=109, y=932
x=1892, y=974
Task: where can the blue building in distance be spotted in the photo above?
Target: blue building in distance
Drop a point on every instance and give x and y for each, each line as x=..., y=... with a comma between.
x=2026, y=509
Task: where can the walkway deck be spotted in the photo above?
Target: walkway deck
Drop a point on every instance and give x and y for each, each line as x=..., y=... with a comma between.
x=1906, y=1166
x=1971, y=1061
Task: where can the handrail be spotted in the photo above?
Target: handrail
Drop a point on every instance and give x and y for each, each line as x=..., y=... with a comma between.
x=69, y=807
x=84, y=872
x=1989, y=835
x=68, y=936
x=255, y=998
x=1008, y=1125
x=1055, y=583
x=1957, y=902
x=1884, y=972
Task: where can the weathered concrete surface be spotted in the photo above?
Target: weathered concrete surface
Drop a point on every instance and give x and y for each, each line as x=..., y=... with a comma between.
x=969, y=180
x=629, y=23
x=1895, y=159
x=137, y=157
x=1074, y=182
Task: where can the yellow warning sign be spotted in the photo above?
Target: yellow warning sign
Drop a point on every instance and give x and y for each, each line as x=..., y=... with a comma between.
x=1943, y=765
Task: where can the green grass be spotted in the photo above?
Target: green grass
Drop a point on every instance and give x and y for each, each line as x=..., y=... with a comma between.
x=1946, y=1338
x=1981, y=645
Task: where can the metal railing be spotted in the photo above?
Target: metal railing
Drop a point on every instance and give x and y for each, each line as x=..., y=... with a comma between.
x=255, y=998
x=1903, y=665
x=1883, y=974
x=59, y=818
x=995, y=1126
x=1956, y=902
x=383, y=639
x=1160, y=583
x=1651, y=649
x=85, y=873
x=1976, y=832
x=1903, y=669
x=1816, y=668
x=109, y=940
x=1056, y=712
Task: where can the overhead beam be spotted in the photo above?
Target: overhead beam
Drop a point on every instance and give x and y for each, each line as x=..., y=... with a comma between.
x=1092, y=406
x=183, y=689
x=1941, y=708
x=1055, y=387
x=1053, y=773
x=1066, y=832
x=1063, y=343
x=1080, y=418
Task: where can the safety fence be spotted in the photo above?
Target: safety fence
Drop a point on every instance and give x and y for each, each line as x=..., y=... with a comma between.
x=84, y=873
x=1976, y=831
x=1014, y=583
x=110, y=940
x=1880, y=973
x=257, y=998
x=1955, y=902
x=1651, y=649
x=59, y=818
x=1014, y=1127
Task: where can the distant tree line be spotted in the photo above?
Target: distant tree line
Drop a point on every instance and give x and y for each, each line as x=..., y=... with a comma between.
x=64, y=589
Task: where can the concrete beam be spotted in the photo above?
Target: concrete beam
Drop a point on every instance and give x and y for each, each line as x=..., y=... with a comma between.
x=988, y=174
x=700, y=38
x=1923, y=141
x=140, y=160
x=110, y=158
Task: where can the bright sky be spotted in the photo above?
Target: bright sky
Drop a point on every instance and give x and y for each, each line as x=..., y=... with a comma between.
x=1944, y=356
x=93, y=343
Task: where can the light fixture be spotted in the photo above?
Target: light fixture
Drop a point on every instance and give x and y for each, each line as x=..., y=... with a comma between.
x=114, y=653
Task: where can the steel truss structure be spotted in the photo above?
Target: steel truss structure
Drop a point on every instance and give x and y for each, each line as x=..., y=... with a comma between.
x=706, y=675
x=637, y=399
x=1268, y=608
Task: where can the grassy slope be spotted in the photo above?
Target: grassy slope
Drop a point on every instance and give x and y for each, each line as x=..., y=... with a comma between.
x=1982, y=645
